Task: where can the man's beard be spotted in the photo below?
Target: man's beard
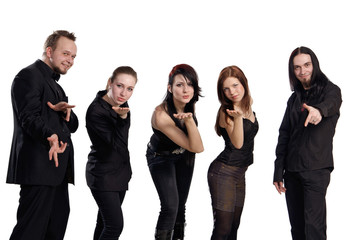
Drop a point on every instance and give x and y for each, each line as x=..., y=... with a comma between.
x=59, y=71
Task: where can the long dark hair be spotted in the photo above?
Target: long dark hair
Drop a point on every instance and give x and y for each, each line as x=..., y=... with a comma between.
x=318, y=78
x=231, y=71
x=190, y=74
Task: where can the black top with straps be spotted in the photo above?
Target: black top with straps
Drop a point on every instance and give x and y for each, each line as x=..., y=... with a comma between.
x=242, y=157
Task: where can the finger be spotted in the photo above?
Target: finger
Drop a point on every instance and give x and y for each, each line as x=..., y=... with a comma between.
x=307, y=107
x=277, y=187
x=51, y=151
x=50, y=105
x=307, y=120
x=70, y=106
x=62, y=147
x=56, y=159
x=68, y=112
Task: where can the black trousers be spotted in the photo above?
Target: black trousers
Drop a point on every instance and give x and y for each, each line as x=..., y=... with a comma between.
x=305, y=198
x=110, y=222
x=172, y=179
x=43, y=213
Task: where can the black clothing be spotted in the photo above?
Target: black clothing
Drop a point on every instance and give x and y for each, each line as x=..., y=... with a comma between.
x=43, y=212
x=172, y=179
x=110, y=221
x=171, y=169
x=44, y=201
x=242, y=157
x=305, y=198
x=302, y=148
x=226, y=179
x=304, y=160
x=34, y=122
x=108, y=167
x=227, y=186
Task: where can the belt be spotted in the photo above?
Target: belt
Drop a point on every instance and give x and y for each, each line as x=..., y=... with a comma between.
x=161, y=153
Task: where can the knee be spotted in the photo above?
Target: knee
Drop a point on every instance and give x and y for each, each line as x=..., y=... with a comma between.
x=170, y=208
x=113, y=230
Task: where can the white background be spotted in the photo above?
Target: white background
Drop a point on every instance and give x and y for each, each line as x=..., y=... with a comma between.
x=152, y=37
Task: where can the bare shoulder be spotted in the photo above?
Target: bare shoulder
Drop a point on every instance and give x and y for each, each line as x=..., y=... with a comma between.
x=161, y=118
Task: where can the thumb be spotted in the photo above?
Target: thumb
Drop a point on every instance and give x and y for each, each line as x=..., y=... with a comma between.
x=307, y=107
x=50, y=105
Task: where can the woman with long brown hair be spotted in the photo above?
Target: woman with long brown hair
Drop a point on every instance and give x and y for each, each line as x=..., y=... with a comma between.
x=237, y=124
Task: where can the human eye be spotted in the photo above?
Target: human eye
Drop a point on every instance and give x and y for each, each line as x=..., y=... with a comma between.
x=130, y=89
x=119, y=85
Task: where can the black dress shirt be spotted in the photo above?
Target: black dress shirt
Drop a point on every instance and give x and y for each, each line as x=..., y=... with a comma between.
x=108, y=167
x=308, y=148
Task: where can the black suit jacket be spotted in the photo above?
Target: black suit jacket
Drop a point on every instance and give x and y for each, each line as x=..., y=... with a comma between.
x=34, y=122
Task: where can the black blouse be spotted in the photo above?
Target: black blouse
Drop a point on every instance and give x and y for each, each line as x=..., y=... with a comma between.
x=108, y=167
x=242, y=157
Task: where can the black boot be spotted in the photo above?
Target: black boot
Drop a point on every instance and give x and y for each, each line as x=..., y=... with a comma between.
x=163, y=234
x=179, y=231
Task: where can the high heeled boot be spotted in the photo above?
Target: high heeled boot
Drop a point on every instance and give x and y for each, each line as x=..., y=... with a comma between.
x=179, y=229
x=163, y=234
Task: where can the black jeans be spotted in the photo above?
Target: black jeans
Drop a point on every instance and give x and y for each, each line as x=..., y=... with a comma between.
x=172, y=179
x=305, y=198
x=110, y=222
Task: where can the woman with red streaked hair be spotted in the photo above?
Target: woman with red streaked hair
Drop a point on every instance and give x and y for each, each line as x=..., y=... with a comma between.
x=171, y=150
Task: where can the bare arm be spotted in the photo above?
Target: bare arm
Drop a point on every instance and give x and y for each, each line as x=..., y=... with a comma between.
x=234, y=128
x=163, y=122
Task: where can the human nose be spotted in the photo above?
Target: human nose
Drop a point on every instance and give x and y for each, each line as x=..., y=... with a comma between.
x=231, y=90
x=123, y=92
x=70, y=60
x=302, y=70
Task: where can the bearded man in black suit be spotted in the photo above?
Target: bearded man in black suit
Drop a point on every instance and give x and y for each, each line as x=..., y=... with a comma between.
x=42, y=155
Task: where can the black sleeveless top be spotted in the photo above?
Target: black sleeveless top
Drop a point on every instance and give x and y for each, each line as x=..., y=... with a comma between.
x=161, y=143
x=242, y=157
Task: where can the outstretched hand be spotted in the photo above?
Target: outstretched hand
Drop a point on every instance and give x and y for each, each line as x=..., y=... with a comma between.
x=234, y=113
x=314, y=116
x=63, y=107
x=183, y=116
x=55, y=148
x=122, y=111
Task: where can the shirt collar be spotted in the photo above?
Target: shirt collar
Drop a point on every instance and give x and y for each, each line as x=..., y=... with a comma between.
x=47, y=70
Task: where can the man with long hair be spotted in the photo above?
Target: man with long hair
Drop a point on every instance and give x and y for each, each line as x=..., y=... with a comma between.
x=304, y=157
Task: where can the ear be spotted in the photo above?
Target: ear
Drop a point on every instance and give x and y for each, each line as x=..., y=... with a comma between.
x=48, y=51
x=169, y=88
x=108, y=85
